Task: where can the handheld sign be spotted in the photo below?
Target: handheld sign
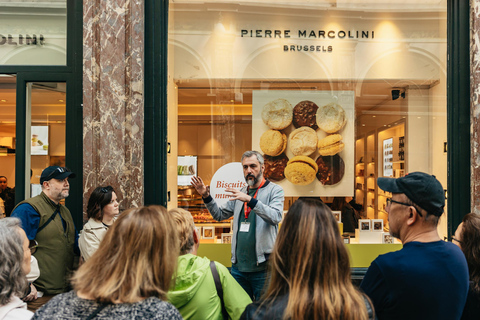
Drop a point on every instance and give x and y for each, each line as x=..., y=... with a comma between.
x=228, y=176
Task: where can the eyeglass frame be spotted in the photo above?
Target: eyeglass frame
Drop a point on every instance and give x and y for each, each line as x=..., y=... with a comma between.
x=106, y=189
x=459, y=241
x=33, y=245
x=390, y=201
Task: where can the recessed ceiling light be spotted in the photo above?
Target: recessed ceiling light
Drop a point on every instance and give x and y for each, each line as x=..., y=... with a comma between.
x=419, y=117
x=3, y=100
x=374, y=116
x=61, y=100
x=363, y=125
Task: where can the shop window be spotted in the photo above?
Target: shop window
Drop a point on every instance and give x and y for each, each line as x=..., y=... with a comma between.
x=383, y=64
x=33, y=32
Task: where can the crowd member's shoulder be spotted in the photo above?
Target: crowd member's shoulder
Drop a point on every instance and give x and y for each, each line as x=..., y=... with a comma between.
x=154, y=308
x=266, y=310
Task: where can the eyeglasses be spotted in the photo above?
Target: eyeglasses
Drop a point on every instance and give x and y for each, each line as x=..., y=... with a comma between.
x=459, y=241
x=106, y=189
x=390, y=201
x=33, y=246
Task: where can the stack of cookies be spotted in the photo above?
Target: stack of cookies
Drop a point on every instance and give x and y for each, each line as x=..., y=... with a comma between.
x=303, y=142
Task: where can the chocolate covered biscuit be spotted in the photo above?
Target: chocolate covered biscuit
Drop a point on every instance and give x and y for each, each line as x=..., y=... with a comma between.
x=304, y=115
x=275, y=167
x=330, y=169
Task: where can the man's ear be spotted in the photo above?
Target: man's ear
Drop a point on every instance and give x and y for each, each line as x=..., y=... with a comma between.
x=412, y=215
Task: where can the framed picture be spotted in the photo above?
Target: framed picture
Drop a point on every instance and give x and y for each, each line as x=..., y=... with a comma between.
x=208, y=232
x=337, y=215
x=39, y=140
x=364, y=225
x=377, y=225
x=387, y=238
x=226, y=238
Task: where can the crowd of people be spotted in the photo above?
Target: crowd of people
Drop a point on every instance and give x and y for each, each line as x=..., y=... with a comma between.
x=142, y=263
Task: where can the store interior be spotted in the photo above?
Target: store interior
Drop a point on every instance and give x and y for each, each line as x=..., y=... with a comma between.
x=47, y=112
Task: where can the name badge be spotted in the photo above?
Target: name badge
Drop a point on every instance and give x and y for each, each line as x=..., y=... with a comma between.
x=244, y=226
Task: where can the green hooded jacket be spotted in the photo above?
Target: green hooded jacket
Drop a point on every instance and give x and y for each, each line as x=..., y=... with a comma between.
x=195, y=296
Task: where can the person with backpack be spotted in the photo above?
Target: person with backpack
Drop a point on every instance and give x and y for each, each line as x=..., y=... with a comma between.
x=203, y=289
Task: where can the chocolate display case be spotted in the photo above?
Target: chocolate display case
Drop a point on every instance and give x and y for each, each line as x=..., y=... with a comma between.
x=190, y=200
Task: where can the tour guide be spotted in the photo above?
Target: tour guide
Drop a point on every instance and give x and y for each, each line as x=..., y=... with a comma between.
x=256, y=210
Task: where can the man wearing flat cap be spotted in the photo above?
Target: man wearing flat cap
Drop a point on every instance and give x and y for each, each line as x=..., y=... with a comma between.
x=428, y=278
x=50, y=223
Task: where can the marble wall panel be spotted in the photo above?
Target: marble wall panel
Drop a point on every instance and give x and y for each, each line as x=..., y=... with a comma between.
x=475, y=103
x=113, y=36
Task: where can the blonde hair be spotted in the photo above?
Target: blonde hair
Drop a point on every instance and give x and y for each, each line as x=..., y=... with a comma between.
x=135, y=260
x=185, y=228
x=310, y=263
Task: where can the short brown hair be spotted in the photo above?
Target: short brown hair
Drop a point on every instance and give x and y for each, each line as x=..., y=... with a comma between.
x=135, y=260
x=185, y=228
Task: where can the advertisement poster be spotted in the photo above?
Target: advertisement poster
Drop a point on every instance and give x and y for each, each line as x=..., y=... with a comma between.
x=335, y=169
x=186, y=169
x=228, y=176
x=39, y=140
x=388, y=157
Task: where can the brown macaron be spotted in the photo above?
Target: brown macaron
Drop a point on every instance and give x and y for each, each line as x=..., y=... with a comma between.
x=304, y=114
x=301, y=170
x=273, y=142
x=331, y=118
x=277, y=114
x=303, y=141
x=330, y=145
x=275, y=167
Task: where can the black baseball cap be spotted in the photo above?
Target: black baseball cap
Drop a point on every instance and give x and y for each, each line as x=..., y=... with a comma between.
x=421, y=188
x=56, y=172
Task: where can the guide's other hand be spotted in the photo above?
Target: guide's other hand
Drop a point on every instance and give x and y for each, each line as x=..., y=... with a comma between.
x=201, y=188
x=238, y=195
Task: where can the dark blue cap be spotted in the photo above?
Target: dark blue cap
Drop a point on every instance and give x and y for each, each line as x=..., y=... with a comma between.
x=421, y=188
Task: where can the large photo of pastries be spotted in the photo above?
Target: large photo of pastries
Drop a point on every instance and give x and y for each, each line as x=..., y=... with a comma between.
x=307, y=139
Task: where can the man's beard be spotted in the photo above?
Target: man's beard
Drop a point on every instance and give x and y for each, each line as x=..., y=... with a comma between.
x=254, y=181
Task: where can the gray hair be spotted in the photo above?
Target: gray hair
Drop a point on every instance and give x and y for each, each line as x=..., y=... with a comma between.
x=13, y=280
x=248, y=154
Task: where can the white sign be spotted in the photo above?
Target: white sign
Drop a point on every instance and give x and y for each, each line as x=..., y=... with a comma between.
x=39, y=140
x=228, y=176
x=388, y=157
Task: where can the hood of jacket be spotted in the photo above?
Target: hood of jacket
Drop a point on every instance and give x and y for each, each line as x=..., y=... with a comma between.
x=191, y=271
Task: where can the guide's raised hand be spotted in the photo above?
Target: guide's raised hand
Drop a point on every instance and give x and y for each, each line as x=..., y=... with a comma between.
x=201, y=188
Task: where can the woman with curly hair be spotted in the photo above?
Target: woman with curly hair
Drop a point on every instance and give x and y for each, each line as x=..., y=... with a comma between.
x=14, y=266
x=128, y=277
x=310, y=271
x=467, y=237
x=102, y=210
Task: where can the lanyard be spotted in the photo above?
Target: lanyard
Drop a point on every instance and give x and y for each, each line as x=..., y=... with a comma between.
x=246, y=209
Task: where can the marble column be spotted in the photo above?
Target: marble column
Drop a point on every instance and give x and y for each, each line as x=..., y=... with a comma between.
x=113, y=113
x=475, y=103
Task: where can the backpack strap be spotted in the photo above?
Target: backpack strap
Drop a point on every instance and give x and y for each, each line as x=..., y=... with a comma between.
x=49, y=220
x=218, y=286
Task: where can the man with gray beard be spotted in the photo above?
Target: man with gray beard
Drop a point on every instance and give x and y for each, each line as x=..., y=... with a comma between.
x=48, y=222
x=257, y=210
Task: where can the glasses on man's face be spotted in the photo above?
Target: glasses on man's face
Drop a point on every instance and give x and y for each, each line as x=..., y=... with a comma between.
x=390, y=201
x=33, y=246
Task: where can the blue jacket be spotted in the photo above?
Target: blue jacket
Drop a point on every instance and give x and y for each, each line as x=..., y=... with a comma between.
x=268, y=207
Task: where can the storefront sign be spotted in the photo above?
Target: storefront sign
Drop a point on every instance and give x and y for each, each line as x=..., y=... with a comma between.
x=228, y=176
x=310, y=35
x=21, y=40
